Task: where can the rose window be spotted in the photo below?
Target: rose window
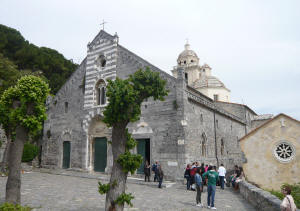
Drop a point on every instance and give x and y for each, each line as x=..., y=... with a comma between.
x=284, y=151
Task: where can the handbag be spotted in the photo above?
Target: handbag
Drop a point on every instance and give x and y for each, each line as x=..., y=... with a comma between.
x=194, y=186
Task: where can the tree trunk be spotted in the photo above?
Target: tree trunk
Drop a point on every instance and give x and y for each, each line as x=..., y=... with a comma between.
x=5, y=155
x=13, y=185
x=117, y=177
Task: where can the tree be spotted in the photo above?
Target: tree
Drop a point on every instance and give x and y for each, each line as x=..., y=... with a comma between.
x=125, y=99
x=22, y=111
x=53, y=65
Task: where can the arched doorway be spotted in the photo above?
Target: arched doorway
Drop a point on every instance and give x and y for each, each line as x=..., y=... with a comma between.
x=99, y=149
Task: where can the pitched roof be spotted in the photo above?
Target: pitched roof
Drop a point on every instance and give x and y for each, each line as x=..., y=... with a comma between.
x=267, y=122
x=237, y=104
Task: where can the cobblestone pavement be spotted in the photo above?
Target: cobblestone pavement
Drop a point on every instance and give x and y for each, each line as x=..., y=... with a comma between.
x=44, y=191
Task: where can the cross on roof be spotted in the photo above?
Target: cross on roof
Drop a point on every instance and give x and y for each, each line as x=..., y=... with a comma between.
x=103, y=22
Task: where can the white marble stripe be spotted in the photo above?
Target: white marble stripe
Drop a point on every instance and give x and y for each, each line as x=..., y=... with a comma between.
x=89, y=102
x=100, y=46
x=98, y=50
x=90, y=80
x=89, y=92
x=89, y=85
x=91, y=72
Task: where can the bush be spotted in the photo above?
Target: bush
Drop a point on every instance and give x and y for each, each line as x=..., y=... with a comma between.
x=12, y=207
x=30, y=152
x=295, y=193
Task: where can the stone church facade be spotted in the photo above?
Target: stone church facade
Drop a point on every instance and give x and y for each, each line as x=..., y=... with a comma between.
x=188, y=126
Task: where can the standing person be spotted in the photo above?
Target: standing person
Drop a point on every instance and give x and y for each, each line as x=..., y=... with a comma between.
x=160, y=175
x=206, y=168
x=222, y=173
x=192, y=173
x=288, y=203
x=187, y=176
x=202, y=168
x=147, y=171
x=212, y=176
x=198, y=181
x=154, y=169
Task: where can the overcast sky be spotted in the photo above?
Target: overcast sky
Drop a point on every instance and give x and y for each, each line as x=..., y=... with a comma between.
x=252, y=46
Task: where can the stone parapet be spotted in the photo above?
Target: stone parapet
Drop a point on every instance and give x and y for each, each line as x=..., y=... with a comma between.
x=260, y=199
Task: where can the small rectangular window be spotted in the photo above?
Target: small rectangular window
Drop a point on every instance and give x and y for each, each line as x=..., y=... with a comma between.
x=66, y=107
x=216, y=97
x=186, y=76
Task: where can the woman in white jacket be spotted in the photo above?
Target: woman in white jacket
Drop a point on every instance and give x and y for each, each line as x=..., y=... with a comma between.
x=288, y=203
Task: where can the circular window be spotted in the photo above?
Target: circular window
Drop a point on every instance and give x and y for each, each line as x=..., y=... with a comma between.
x=284, y=151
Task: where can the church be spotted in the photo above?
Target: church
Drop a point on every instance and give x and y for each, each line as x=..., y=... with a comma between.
x=196, y=122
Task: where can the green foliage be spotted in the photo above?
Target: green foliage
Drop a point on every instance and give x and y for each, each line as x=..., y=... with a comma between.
x=23, y=105
x=26, y=56
x=125, y=198
x=9, y=74
x=130, y=142
x=103, y=188
x=30, y=152
x=295, y=193
x=130, y=162
x=11, y=207
x=126, y=96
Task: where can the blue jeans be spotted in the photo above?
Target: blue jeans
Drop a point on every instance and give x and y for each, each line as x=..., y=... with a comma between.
x=222, y=181
x=188, y=182
x=211, y=190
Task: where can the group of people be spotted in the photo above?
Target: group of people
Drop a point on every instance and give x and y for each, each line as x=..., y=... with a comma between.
x=156, y=169
x=197, y=176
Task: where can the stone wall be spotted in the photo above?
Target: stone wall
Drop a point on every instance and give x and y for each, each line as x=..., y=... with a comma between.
x=260, y=199
x=159, y=121
x=64, y=123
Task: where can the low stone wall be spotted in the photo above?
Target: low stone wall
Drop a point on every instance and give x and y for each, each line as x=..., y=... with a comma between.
x=260, y=199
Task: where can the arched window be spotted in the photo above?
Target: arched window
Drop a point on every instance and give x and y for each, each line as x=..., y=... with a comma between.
x=101, y=61
x=222, y=147
x=203, y=145
x=100, y=93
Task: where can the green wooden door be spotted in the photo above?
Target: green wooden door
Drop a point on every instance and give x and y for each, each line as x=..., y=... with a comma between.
x=100, y=155
x=66, y=154
x=141, y=149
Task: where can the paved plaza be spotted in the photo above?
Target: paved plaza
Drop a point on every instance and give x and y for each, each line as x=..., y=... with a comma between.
x=79, y=192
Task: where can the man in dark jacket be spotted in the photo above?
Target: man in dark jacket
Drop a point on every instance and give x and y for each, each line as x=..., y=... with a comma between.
x=154, y=169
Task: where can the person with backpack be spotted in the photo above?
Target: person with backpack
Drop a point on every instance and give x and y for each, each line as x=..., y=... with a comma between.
x=154, y=169
x=212, y=177
x=198, y=181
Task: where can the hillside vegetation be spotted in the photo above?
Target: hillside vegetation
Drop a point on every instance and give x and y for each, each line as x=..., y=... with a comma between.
x=20, y=57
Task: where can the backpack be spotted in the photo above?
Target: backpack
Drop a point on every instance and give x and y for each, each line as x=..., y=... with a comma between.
x=153, y=167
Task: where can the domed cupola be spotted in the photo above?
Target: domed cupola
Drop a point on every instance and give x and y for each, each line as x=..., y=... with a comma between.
x=187, y=57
